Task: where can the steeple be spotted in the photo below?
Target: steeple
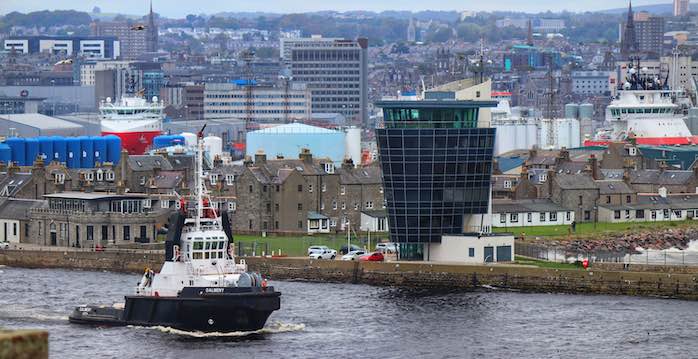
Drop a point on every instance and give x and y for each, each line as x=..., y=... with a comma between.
x=529, y=39
x=152, y=32
x=628, y=43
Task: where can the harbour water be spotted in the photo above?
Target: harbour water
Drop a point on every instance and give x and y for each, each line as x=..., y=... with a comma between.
x=344, y=321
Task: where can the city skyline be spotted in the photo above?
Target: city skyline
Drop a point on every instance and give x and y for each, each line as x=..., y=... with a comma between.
x=182, y=8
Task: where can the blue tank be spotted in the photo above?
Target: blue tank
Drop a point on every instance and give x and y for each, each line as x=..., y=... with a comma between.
x=5, y=153
x=87, y=152
x=73, y=153
x=18, y=148
x=60, y=149
x=46, y=148
x=100, y=149
x=113, y=148
x=161, y=141
x=32, y=151
x=177, y=140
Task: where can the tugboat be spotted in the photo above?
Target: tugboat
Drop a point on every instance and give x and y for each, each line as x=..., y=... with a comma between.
x=200, y=287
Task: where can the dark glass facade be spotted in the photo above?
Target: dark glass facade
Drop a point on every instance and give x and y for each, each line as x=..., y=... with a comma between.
x=435, y=171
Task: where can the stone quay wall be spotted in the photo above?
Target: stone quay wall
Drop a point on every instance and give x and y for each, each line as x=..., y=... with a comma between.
x=398, y=274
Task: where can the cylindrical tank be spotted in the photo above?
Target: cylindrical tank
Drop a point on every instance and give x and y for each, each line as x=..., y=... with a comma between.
x=586, y=110
x=352, y=145
x=18, y=148
x=87, y=152
x=5, y=153
x=113, y=148
x=571, y=110
x=213, y=145
x=45, y=148
x=32, y=151
x=189, y=139
x=161, y=141
x=100, y=149
x=73, y=152
x=59, y=149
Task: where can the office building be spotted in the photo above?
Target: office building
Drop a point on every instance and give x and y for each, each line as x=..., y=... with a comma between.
x=437, y=165
x=681, y=7
x=96, y=47
x=591, y=82
x=257, y=103
x=649, y=33
x=335, y=70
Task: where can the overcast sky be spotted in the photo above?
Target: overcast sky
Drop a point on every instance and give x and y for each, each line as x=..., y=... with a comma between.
x=180, y=8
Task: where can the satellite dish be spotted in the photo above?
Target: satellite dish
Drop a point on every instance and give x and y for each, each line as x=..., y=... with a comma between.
x=108, y=99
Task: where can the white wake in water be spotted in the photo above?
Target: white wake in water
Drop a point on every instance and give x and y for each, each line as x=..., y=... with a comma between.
x=273, y=328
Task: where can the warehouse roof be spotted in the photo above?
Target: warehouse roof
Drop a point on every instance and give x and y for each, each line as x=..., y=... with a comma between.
x=293, y=128
x=40, y=121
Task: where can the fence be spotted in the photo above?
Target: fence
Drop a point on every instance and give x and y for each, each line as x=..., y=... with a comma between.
x=648, y=256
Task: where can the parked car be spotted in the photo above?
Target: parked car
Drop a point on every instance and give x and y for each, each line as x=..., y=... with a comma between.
x=343, y=249
x=313, y=249
x=353, y=255
x=325, y=254
x=4, y=245
x=387, y=247
x=373, y=257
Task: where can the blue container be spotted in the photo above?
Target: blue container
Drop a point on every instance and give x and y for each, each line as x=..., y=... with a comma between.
x=100, y=149
x=113, y=148
x=73, y=152
x=60, y=149
x=46, y=148
x=18, y=148
x=161, y=141
x=5, y=153
x=32, y=151
x=87, y=152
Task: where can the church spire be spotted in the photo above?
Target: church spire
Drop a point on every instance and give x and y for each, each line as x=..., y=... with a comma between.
x=152, y=33
x=628, y=43
x=529, y=38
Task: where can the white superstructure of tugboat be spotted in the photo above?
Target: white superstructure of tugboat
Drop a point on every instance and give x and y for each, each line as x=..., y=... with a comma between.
x=200, y=287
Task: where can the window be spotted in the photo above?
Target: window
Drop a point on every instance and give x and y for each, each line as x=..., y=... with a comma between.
x=580, y=202
x=147, y=203
x=276, y=225
x=278, y=188
x=100, y=175
x=127, y=233
x=356, y=206
x=587, y=215
x=213, y=178
x=164, y=203
x=471, y=252
x=553, y=216
x=514, y=218
x=640, y=214
x=369, y=204
x=231, y=206
x=268, y=207
x=109, y=175
x=59, y=178
x=608, y=199
x=322, y=206
x=300, y=224
x=628, y=199
x=666, y=214
x=616, y=214
x=39, y=228
x=677, y=213
x=568, y=215
x=507, y=184
x=502, y=218
x=142, y=181
x=324, y=187
x=543, y=177
x=89, y=176
x=380, y=189
x=529, y=217
x=300, y=206
x=653, y=214
x=229, y=180
x=329, y=168
x=334, y=205
x=310, y=188
x=90, y=233
x=627, y=214
x=343, y=190
x=300, y=188
x=276, y=207
x=14, y=229
x=250, y=224
x=251, y=189
x=542, y=216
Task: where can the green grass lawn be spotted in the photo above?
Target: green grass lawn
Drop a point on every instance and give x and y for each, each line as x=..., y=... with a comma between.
x=584, y=229
x=545, y=264
x=298, y=245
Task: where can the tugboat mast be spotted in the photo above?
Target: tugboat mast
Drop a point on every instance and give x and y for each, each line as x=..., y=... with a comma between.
x=199, y=177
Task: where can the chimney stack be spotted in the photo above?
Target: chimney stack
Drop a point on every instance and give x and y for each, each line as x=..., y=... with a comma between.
x=260, y=157
x=305, y=155
x=594, y=167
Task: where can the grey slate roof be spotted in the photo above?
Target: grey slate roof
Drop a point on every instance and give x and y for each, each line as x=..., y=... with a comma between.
x=654, y=201
x=18, y=209
x=522, y=206
x=570, y=181
x=659, y=177
x=148, y=162
x=613, y=187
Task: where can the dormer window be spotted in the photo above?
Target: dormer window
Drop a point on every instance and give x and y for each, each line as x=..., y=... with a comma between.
x=507, y=184
x=147, y=203
x=59, y=178
x=109, y=175
x=343, y=190
x=231, y=206
x=100, y=175
x=229, y=180
x=543, y=177
x=329, y=168
x=213, y=178
x=164, y=203
x=632, y=151
x=142, y=181
x=89, y=176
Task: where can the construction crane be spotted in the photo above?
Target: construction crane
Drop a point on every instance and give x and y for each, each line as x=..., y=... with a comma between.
x=247, y=58
x=550, y=108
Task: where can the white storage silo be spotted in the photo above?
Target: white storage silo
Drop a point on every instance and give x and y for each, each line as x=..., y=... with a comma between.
x=352, y=146
x=189, y=139
x=213, y=145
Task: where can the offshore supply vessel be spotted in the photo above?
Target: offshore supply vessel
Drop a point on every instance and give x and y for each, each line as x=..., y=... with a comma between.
x=200, y=286
x=134, y=119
